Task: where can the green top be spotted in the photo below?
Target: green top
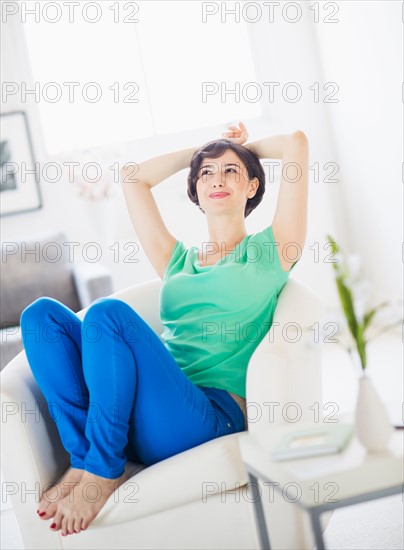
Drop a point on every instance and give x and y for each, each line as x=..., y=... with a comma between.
x=215, y=316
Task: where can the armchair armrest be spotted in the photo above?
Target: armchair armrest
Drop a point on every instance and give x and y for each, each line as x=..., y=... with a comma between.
x=25, y=419
x=92, y=281
x=284, y=372
x=38, y=456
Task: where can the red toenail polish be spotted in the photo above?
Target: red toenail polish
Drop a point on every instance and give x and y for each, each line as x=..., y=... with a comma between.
x=42, y=514
x=53, y=525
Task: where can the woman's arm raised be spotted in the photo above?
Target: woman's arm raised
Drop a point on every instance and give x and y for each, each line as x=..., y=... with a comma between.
x=153, y=171
x=137, y=181
x=290, y=219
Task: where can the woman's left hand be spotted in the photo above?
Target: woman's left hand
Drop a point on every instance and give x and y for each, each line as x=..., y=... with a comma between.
x=235, y=134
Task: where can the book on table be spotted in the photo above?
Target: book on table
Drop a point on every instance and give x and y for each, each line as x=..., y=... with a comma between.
x=315, y=441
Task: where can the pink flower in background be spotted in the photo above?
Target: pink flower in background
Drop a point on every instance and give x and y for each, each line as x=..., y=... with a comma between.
x=92, y=175
x=94, y=191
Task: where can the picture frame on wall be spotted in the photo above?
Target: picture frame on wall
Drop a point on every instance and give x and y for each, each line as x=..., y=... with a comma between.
x=19, y=182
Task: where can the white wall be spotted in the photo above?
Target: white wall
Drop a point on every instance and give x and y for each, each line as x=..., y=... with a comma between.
x=287, y=53
x=364, y=53
x=364, y=125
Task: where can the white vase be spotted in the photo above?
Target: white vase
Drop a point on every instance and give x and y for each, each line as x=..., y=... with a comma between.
x=372, y=422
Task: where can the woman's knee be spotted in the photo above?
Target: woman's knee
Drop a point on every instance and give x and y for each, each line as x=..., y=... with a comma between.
x=106, y=306
x=37, y=308
x=116, y=313
x=36, y=318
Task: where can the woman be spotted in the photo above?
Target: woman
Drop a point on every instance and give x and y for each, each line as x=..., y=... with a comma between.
x=118, y=392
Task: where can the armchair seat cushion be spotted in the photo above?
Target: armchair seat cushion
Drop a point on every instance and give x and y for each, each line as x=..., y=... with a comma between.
x=205, y=470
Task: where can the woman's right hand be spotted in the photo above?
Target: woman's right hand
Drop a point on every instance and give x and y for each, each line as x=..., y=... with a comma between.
x=236, y=134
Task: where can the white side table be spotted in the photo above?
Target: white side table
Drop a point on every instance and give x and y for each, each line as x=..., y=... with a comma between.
x=322, y=483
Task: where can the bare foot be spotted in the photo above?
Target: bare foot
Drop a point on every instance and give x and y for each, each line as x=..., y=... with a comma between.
x=50, y=498
x=76, y=511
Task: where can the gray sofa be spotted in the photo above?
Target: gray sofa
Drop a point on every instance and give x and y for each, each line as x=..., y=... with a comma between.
x=42, y=265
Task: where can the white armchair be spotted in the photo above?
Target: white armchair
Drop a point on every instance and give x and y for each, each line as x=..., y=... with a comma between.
x=195, y=499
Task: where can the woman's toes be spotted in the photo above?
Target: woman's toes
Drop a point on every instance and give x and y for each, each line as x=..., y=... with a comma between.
x=70, y=526
x=77, y=526
x=48, y=504
x=47, y=511
x=84, y=525
x=51, y=497
x=63, y=528
x=57, y=522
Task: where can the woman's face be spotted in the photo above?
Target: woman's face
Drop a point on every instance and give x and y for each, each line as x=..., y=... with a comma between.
x=223, y=185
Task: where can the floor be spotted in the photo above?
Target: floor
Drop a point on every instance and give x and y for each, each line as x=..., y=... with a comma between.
x=373, y=525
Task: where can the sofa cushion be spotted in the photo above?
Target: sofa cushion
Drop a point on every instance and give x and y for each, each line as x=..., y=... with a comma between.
x=211, y=468
x=26, y=275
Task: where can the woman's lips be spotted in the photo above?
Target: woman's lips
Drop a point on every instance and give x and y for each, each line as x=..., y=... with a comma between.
x=218, y=195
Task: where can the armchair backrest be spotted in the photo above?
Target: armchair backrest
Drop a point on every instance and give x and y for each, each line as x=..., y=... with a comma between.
x=144, y=299
x=286, y=366
x=297, y=304
x=284, y=376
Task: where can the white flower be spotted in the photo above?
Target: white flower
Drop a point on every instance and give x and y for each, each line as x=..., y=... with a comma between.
x=354, y=264
x=343, y=336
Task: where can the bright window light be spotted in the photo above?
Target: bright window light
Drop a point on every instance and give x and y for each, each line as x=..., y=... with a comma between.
x=168, y=72
x=105, y=53
x=181, y=53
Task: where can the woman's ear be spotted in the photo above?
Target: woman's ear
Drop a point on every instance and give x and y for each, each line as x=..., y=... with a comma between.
x=254, y=184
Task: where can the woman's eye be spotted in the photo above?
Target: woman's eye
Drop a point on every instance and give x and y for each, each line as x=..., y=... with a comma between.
x=204, y=172
x=233, y=169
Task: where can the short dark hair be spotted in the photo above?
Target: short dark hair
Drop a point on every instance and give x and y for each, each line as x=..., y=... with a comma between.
x=215, y=149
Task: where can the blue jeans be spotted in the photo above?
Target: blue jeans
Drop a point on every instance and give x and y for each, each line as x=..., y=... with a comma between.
x=114, y=390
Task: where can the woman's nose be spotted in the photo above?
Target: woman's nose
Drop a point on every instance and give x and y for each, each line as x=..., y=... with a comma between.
x=218, y=181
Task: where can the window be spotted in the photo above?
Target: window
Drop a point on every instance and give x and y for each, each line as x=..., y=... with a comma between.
x=135, y=80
